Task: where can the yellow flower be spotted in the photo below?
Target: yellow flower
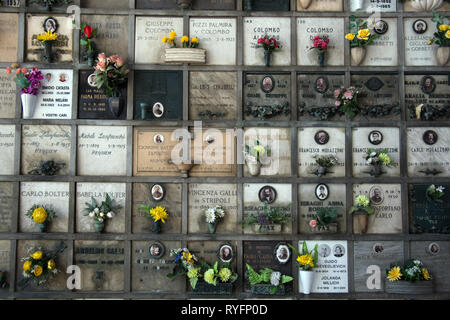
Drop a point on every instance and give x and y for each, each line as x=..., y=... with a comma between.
x=172, y=35
x=350, y=36
x=385, y=158
x=209, y=276
x=259, y=149
x=37, y=255
x=159, y=213
x=193, y=273
x=48, y=36
x=51, y=264
x=426, y=274
x=363, y=34
x=225, y=274
x=194, y=40
x=165, y=39
x=447, y=34
x=184, y=39
x=39, y=215
x=27, y=265
x=444, y=27
x=394, y=274
x=188, y=257
x=38, y=271
x=306, y=260
x=363, y=201
x=430, y=42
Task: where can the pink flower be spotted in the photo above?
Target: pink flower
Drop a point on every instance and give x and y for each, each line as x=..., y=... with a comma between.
x=101, y=65
x=337, y=103
x=266, y=41
x=324, y=45
x=337, y=92
x=260, y=40
x=102, y=57
x=8, y=70
x=119, y=62
x=316, y=38
x=24, y=70
x=348, y=95
x=316, y=43
x=327, y=40
x=18, y=71
x=113, y=58
x=313, y=223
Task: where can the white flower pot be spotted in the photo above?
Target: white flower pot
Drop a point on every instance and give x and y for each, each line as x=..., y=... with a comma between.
x=254, y=168
x=29, y=102
x=357, y=55
x=426, y=5
x=442, y=55
x=307, y=279
x=305, y=3
x=357, y=4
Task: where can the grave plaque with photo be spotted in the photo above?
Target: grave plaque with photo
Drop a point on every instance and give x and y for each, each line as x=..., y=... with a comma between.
x=7, y=147
x=158, y=95
x=429, y=215
x=8, y=200
x=209, y=251
x=267, y=5
x=322, y=5
x=9, y=28
x=7, y=95
x=373, y=5
x=101, y=263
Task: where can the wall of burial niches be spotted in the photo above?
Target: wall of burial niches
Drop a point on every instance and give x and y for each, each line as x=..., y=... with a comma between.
x=118, y=155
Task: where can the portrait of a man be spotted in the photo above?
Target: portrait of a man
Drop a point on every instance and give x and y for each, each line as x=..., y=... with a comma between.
x=267, y=84
x=433, y=248
x=282, y=253
x=430, y=137
x=376, y=195
x=267, y=194
x=324, y=250
x=375, y=137
x=321, y=85
x=156, y=250
x=428, y=84
x=158, y=138
x=378, y=248
x=157, y=192
x=48, y=77
x=420, y=26
x=158, y=110
x=322, y=137
x=226, y=253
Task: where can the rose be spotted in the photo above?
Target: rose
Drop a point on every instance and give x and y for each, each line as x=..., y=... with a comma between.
x=88, y=32
x=337, y=92
x=348, y=95
x=8, y=70
x=324, y=45
x=313, y=223
x=102, y=57
x=119, y=62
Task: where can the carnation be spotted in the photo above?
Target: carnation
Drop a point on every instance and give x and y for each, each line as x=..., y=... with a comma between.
x=275, y=278
x=209, y=276
x=224, y=274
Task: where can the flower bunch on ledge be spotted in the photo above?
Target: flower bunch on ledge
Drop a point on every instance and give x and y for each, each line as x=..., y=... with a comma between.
x=412, y=271
x=39, y=266
x=347, y=100
x=363, y=203
x=434, y=193
x=267, y=276
x=29, y=81
x=41, y=215
x=306, y=260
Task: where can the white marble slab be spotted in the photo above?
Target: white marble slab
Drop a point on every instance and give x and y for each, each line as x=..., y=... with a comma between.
x=383, y=51
x=7, y=147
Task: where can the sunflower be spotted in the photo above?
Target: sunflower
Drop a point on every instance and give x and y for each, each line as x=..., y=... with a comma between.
x=394, y=274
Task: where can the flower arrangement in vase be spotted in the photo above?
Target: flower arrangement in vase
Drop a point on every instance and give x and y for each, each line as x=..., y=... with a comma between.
x=269, y=45
x=347, y=100
x=213, y=217
x=324, y=163
x=111, y=74
x=48, y=4
x=47, y=168
x=442, y=38
x=100, y=213
x=29, y=82
x=189, y=51
x=253, y=156
x=270, y=220
x=324, y=220
x=320, y=44
x=48, y=39
x=41, y=215
x=267, y=281
x=434, y=193
x=362, y=209
x=87, y=35
x=412, y=277
x=157, y=214
x=306, y=261
x=360, y=37
x=376, y=159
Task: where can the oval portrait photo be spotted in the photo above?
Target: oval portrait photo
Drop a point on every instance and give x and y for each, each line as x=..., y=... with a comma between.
x=267, y=194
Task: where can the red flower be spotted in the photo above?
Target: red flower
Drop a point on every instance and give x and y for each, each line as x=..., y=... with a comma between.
x=324, y=45
x=260, y=40
x=316, y=38
x=88, y=32
x=316, y=43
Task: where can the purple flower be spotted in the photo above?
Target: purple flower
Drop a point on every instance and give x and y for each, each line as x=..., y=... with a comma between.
x=263, y=219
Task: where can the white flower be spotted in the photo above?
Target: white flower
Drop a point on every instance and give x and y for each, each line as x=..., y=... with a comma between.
x=417, y=262
x=373, y=154
x=210, y=215
x=275, y=278
x=92, y=214
x=100, y=220
x=101, y=214
x=220, y=212
x=110, y=214
x=369, y=161
x=96, y=210
x=440, y=189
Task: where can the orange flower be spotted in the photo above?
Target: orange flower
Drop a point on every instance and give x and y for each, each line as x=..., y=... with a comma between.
x=24, y=70
x=8, y=70
x=18, y=71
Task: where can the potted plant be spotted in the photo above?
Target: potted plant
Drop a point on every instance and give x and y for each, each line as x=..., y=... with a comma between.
x=269, y=45
x=47, y=39
x=48, y=4
x=320, y=43
x=189, y=52
x=87, y=36
x=29, y=82
x=157, y=214
x=100, y=213
x=426, y=5
x=362, y=209
x=41, y=215
x=347, y=100
x=325, y=220
x=411, y=278
x=442, y=38
x=111, y=74
x=213, y=217
x=271, y=220
x=434, y=194
x=267, y=281
x=360, y=37
x=376, y=159
x=253, y=157
x=306, y=261
x=325, y=163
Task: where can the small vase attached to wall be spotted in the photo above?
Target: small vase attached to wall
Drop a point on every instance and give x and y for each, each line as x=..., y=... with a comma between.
x=375, y=170
x=307, y=279
x=426, y=5
x=99, y=226
x=43, y=226
x=305, y=3
x=321, y=57
x=116, y=103
x=357, y=55
x=156, y=227
x=212, y=227
x=267, y=56
x=248, y=5
x=48, y=54
x=184, y=4
x=442, y=55
x=363, y=219
x=29, y=102
x=90, y=58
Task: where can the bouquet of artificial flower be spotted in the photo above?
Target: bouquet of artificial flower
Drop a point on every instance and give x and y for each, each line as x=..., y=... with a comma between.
x=347, y=100
x=363, y=203
x=255, y=152
x=434, y=193
x=412, y=271
x=41, y=216
x=374, y=157
x=267, y=276
x=87, y=35
x=29, y=81
x=442, y=35
x=99, y=213
x=324, y=217
x=269, y=44
x=320, y=43
x=215, y=214
x=213, y=274
x=307, y=260
x=111, y=73
x=361, y=35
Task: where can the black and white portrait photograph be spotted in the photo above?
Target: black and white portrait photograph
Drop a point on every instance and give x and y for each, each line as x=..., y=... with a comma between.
x=434, y=248
x=338, y=251
x=225, y=253
x=210, y=139
x=282, y=253
x=267, y=84
x=157, y=192
x=321, y=85
x=375, y=137
x=321, y=137
x=428, y=84
x=267, y=194
x=91, y=81
x=157, y=250
x=420, y=26
x=158, y=138
x=381, y=27
x=322, y=191
x=63, y=77
x=430, y=137
x=378, y=248
x=158, y=110
x=324, y=250
x=50, y=25
x=376, y=195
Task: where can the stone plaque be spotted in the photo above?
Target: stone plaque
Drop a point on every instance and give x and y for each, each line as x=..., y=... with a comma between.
x=407, y=6
x=269, y=5
x=46, y=143
x=9, y=27
x=142, y=223
x=308, y=28
x=7, y=95
x=55, y=95
x=8, y=202
x=262, y=254
x=321, y=142
x=429, y=216
x=208, y=251
x=322, y=5
x=373, y=5
x=386, y=201
x=111, y=33
x=379, y=96
x=7, y=145
x=56, y=283
x=253, y=204
x=316, y=96
x=93, y=102
x=383, y=51
x=101, y=263
x=428, y=152
x=63, y=47
x=54, y=195
x=331, y=273
x=427, y=97
x=371, y=257
x=102, y=150
x=212, y=95
x=279, y=142
x=156, y=4
x=309, y=203
x=85, y=191
x=201, y=197
x=218, y=37
x=150, y=31
x=5, y=256
x=418, y=31
x=435, y=255
x=116, y=4
x=158, y=88
x=214, y=5
x=375, y=138
x=267, y=96
x=278, y=28
x=150, y=273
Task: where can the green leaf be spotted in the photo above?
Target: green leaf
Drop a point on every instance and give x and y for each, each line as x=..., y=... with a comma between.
x=370, y=210
x=274, y=290
x=253, y=276
x=193, y=282
x=286, y=279
x=216, y=267
x=83, y=42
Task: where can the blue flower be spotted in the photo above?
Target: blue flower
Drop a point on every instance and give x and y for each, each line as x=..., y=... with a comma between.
x=178, y=257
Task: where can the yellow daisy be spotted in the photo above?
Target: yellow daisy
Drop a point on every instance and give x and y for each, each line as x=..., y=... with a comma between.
x=394, y=274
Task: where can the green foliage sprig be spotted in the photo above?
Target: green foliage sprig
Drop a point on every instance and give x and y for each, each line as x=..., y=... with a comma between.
x=267, y=276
